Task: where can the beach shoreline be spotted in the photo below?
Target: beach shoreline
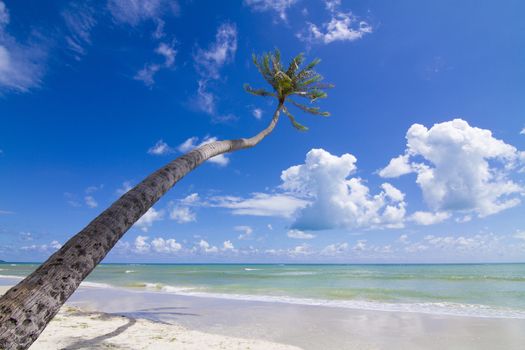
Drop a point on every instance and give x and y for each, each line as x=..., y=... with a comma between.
x=268, y=325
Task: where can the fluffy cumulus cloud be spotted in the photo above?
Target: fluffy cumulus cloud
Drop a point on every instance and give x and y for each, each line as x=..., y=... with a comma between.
x=90, y=201
x=160, y=148
x=133, y=12
x=194, y=142
x=143, y=245
x=208, y=63
x=149, y=218
x=21, y=64
x=162, y=245
x=43, y=248
x=335, y=249
x=204, y=247
x=459, y=168
x=298, y=234
x=337, y=201
x=183, y=215
x=182, y=212
x=342, y=26
x=279, y=6
x=228, y=246
x=428, y=218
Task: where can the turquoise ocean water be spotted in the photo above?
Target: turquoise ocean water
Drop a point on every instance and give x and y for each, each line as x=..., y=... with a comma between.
x=481, y=290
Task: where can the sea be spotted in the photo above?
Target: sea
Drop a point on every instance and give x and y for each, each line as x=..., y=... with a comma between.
x=475, y=290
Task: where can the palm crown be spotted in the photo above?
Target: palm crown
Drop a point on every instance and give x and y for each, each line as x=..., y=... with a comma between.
x=291, y=82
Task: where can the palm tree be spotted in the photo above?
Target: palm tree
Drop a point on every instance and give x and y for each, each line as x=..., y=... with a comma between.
x=26, y=309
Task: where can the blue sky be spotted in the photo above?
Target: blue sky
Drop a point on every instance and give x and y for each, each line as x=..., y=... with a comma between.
x=421, y=160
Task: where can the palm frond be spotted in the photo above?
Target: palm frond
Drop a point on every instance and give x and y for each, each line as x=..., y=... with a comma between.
x=311, y=110
x=295, y=124
x=257, y=92
x=296, y=80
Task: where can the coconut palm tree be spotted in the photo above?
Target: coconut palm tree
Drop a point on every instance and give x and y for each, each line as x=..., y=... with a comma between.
x=26, y=309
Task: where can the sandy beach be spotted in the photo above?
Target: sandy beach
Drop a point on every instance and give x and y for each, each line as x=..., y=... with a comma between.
x=74, y=328
x=113, y=318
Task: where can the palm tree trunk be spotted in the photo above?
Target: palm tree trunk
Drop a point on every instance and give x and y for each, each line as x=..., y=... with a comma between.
x=27, y=308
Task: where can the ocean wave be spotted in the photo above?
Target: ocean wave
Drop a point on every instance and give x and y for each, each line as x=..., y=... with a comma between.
x=12, y=276
x=296, y=273
x=129, y=271
x=250, y=269
x=95, y=285
x=436, y=308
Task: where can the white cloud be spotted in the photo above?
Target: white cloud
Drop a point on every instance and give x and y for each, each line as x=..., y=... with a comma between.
x=522, y=132
x=21, y=65
x=90, y=201
x=160, y=148
x=193, y=142
x=257, y=113
x=260, y=204
x=161, y=245
x=204, y=247
x=228, y=245
x=334, y=249
x=147, y=220
x=147, y=74
x=246, y=231
x=298, y=234
x=520, y=235
x=44, y=248
x=403, y=239
x=279, y=6
x=182, y=215
x=133, y=12
x=398, y=166
x=427, y=218
x=190, y=199
x=80, y=20
x=464, y=168
x=476, y=242
x=126, y=186
x=300, y=250
x=360, y=245
x=141, y=244
x=4, y=15
x=343, y=26
x=335, y=200
x=209, y=62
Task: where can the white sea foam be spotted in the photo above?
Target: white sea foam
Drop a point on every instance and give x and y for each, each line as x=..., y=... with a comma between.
x=12, y=277
x=250, y=269
x=439, y=308
x=296, y=273
x=95, y=285
x=129, y=271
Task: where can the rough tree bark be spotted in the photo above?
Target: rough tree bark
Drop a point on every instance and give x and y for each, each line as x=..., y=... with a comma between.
x=27, y=308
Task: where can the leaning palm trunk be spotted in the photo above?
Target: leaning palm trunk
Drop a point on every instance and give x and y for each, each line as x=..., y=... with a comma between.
x=27, y=308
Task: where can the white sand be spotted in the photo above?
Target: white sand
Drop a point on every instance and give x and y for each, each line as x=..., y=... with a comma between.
x=73, y=328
